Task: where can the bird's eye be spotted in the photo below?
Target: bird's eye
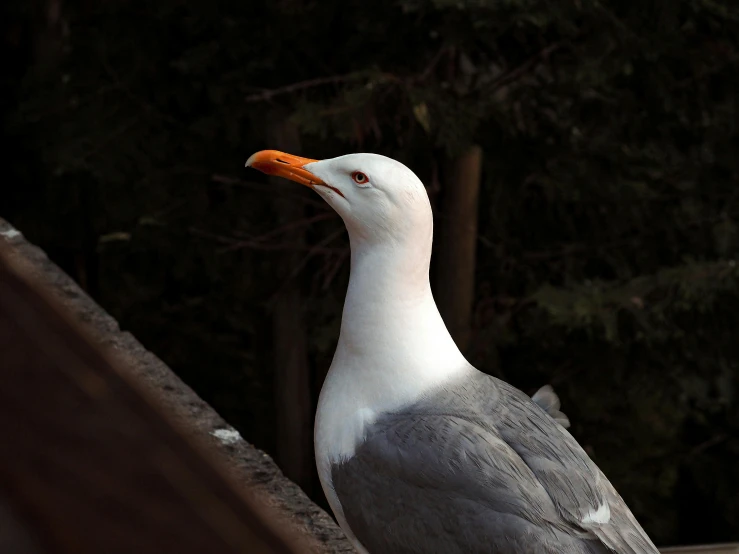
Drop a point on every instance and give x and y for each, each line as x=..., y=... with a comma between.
x=360, y=178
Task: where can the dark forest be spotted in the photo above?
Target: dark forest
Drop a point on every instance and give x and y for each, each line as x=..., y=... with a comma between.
x=582, y=158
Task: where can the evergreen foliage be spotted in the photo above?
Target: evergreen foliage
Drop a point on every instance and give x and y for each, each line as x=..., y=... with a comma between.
x=608, y=218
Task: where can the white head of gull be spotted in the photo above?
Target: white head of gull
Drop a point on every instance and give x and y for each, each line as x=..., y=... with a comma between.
x=417, y=450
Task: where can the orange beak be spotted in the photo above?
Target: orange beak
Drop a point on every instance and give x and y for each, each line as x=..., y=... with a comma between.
x=273, y=162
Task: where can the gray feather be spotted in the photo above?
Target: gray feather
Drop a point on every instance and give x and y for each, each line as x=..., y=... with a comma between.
x=548, y=401
x=478, y=467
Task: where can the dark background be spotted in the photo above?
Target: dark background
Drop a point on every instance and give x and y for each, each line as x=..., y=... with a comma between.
x=608, y=203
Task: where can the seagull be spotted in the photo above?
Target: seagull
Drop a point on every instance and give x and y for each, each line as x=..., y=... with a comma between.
x=417, y=451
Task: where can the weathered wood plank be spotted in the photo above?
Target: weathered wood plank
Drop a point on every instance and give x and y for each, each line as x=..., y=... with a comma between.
x=89, y=460
x=729, y=548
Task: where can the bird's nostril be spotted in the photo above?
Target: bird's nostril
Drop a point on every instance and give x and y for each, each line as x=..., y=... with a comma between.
x=282, y=161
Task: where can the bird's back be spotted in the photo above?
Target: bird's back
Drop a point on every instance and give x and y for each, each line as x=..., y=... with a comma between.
x=476, y=467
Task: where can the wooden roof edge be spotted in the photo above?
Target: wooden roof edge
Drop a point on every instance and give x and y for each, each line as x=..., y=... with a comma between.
x=246, y=467
x=83, y=436
x=721, y=548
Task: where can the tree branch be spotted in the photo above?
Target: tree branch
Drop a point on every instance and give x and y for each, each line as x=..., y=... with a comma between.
x=268, y=94
x=525, y=67
x=234, y=243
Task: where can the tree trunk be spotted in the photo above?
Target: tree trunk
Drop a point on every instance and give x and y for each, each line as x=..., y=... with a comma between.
x=457, y=236
x=293, y=403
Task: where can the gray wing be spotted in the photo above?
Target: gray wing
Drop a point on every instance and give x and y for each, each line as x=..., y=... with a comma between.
x=548, y=401
x=582, y=495
x=425, y=483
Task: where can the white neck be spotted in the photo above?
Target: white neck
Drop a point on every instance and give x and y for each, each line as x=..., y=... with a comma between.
x=393, y=346
x=390, y=319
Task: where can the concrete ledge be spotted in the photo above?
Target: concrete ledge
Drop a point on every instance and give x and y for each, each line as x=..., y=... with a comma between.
x=245, y=463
